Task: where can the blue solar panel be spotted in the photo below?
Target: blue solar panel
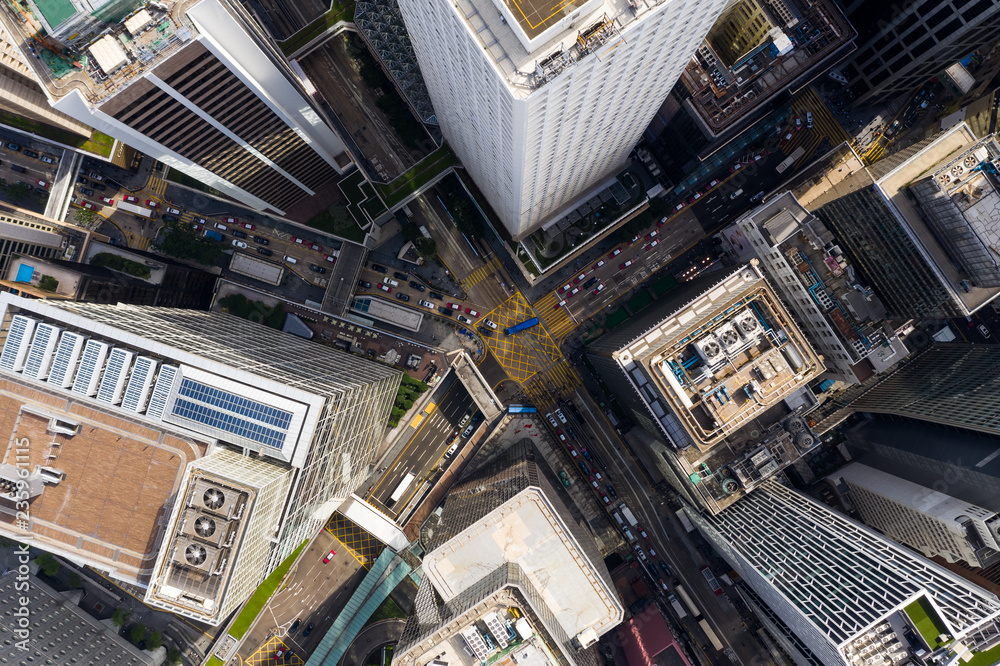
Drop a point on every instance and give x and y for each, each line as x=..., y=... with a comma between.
x=226, y=411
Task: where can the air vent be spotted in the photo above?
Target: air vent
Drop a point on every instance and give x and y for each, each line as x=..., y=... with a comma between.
x=214, y=498
x=970, y=161
x=204, y=527
x=195, y=554
x=944, y=179
x=957, y=171
x=729, y=337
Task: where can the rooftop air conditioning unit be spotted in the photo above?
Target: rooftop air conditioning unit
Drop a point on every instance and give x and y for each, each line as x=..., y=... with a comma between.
x=944, y=178
x=728, y=336
x=709, y=349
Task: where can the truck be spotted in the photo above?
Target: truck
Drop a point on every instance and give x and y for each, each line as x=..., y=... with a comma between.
x=209, y=234
x=710, y=635
x=678, y=607
x=137, y=210
x=627, y=512
x=790, y=160
x=685, y=521
x=524, y=325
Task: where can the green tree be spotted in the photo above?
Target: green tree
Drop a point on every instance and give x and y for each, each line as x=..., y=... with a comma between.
x=181, y=241
x=117, y=262
x=50, y=566
x=153, y=640
x=121, y=616
x=19, y=191
x=47, y=283
x=137, y=633
x=85, y=217
x=411, y=232
x=73, y=580
x=466, y=216
x=174, y=655
x=426, y=247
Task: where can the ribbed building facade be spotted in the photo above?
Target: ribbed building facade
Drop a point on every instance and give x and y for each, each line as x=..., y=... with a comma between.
x=542, y=105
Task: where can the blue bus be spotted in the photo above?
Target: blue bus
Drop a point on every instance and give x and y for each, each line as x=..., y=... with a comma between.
x=524, y=325
x=521, y=409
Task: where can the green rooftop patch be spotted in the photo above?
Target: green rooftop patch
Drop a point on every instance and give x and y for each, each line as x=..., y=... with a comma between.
x=337, y=220
x=256, y=603
x=926, y=620
x=97, y=143
x=417, y=176
x=181, y=178
x=340, y=11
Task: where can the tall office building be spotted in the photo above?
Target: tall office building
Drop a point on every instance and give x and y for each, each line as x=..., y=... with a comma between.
x=186, y=451
x=839, y=314
x=834, y=592
x=953, y=384
x=920, y=226
x=195, y=84
x=901, y=45
x=714, y=374
x=504, y=531
x=931, y=522
x=543, y=102
x=23, y=233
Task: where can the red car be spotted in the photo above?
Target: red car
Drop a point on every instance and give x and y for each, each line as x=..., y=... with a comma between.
x=576, y=290
x=247, y=225
x=599, y=264
x=604, y=498
x=313, y=246
x=455, y=306
x=330, y=258
x=599, y=289
x=129, y=198
x=651, y=235
x=563, y=290
x=42, y=183
x=579, y=278
x=152, y=204
x=329, y=556
x=386, y=288
x=89, y=206
x=615, y=252
x=300, y=241
x=622, y=267
x=652, y=245
x=560, y=304
x=232, y=220
x=108, y=200
x=280, y=653
x=196, y=227
x=573, y=452
x=471, y=312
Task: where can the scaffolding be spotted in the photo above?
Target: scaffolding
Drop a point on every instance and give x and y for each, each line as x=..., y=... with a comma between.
x=381, y=25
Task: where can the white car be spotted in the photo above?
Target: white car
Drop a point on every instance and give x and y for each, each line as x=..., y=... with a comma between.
x=491, y=324
x=464, y=319
x=562, y=417
x=239, y=244
x=173, y=211
x=427, y=304
x=552, y=420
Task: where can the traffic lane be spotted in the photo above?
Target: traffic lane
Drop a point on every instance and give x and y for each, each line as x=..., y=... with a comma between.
x=376, y=278
x=727, y=202
x=35, y=169
x=452, y=246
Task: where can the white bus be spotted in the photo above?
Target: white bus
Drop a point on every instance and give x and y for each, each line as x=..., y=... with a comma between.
x=401, y=488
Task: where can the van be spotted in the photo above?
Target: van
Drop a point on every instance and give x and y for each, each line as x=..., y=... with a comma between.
x=736, y=193
x=18, y=168
x=468, y=431
x=390, y=282
x=809, y=119
x=451, y=451
x=291, y=260
x=221, y=227
x=757, y=197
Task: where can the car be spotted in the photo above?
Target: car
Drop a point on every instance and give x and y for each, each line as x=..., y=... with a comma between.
x=604, y=498
x=87, y=191
x=386, y=288
x=96, y=176
x=597, y=475
x=426, y=304
x=365, y=284
x=317, y=248
x=82, y=180
x=130, y=199
x=234, y=220
x=651, y=235
x=464, y=319
x=653, y=244
x=447, y=312
x=329, y=556
x=380, y=269
x=99, y=186
x=436, y=296
x=89, y=206
x=599, y=264
x=625, y=265
x=614, y=253
x=108, y=200
x=662, y=221
x=196, y=226
x=788, y=137
x=173, y=211
x=663, y=585
x=471, y=312
x=594, y=483
x=563, y=290
x=710, y=579
x=736, y=167
x=590, y=283
x=333, y=259
x=599, y=288
x=641, y=531
x=586, y=453
x=666, y=569
x=491, y=324
x=30, y=153
x=562, y=437
x=200, y=220
x=651, y=551
x=295, y=625
x=403, y=297
x=416, y=285
x=247, y=225
x=697, y=195
x=560, y=415
x=13, y=146
x=576, y=290
x=238, y=243
x=42, y=183
x=552, y=420
x=579, y=278
x=985, y=331
x=561, y=304
x=317, y=269
x=260, y=240
x=280, y=653
x=264, y=251
x=611, y=490
x=573, y=452
x=713, y=183
x=583, y=466
x=401, y=276
x=302, y=241
x=798, y=122
x=308, y=629
x=152, y=204
x=679, y=206
x=455, y=306
x=236, y=232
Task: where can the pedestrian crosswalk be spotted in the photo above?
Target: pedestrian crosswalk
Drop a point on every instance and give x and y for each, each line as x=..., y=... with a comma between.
x=557, y=319
x=156, y=186
x=825, y=126
x=475, y=277
x=556, y=381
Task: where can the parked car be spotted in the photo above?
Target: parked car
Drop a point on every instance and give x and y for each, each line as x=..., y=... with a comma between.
x=317, y=269
x=108, y=200
x=417, y=286
x=42, y=183
x=152, y=204
x=87, y=191
x=173, y=211
x=365, y=284
x=240, y=244
x=403, y=297
x=464, y=319
x=491, y=324
x=471, y=312
x=455, y=306
x=386, y=288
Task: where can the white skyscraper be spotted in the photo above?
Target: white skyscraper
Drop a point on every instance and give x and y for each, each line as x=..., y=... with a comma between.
x=543, y=101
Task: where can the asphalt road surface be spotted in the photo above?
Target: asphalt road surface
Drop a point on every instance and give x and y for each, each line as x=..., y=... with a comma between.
x=426, y=446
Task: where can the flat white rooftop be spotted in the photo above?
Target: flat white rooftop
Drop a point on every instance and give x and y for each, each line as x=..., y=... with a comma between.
x=526, y=531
